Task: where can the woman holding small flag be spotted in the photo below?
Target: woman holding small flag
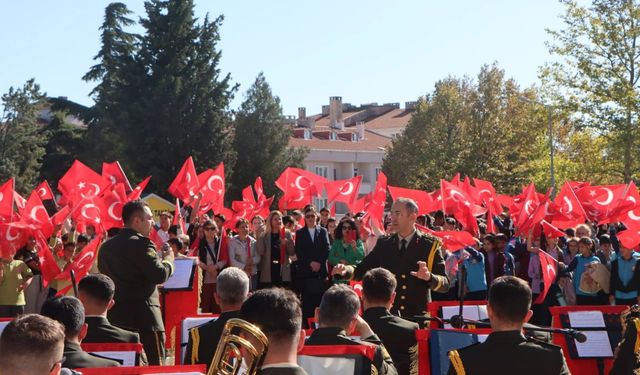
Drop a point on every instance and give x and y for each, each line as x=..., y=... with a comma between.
x=275, y=246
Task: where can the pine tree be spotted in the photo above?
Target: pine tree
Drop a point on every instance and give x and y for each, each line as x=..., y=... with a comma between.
x=65, y=143
x=21, y=139
x=261, y=140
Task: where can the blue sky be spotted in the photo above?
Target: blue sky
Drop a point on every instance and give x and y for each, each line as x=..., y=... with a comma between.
x=364, y=51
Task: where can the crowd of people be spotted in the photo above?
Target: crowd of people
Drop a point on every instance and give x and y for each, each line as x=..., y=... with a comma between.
x=291, y=271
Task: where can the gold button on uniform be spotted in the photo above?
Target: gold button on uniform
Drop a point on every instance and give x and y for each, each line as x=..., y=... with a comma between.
x=404, y=276
x=401, y=307
x=402, y=297
x=404, y=287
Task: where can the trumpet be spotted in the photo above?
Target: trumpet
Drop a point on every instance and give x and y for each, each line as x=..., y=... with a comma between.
x=233, y=348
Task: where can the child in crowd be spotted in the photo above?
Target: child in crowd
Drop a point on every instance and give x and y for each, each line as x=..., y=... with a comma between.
x=578, y=266
x=625, y=278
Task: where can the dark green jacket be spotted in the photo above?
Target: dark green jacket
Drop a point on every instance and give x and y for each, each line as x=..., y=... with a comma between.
x=132, y=262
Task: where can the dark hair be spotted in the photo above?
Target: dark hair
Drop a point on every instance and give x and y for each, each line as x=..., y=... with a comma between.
x=220, y=217
x=510, y=298
x=173, y=229
x=450, y=221
x=501, y=237
x=339, y=306
x=71, y=243
x=177, y=242
x=587, y=242
x=324, y=209
x=28, y=344
x=68, y=311
x=82, y=238
x=378, y=285
x=276, y=311
x=112, y=232
x=605, y=239
x=571, y=232
x=331, y=219
x=338, y=233
x=438, y=215
x=132, y=209
x=287, y=219
x=310, y=209
x=98, y=286
x=491, y=238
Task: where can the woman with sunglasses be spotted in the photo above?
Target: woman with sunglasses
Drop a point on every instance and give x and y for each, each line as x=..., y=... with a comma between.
x=211, y=262
x=347, y=248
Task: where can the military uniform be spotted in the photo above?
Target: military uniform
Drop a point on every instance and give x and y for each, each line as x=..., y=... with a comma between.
x=627, y=359
x=508, y=352
x=75, y=357
x=131, y=261
x=412, y=293
x=99, y=330
x=282, y=370
x=203, y=340
x=336, y=336
x=398, y=336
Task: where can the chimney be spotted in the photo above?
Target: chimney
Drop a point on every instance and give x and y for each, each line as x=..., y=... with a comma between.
x=302, y=113
x=335, y=112
x=409, y=106
x=360, y=130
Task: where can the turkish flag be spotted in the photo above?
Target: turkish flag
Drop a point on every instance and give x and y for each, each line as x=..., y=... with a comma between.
x=551, y=231
x=629, y=238
x=212, y=187
x=82, y=262
x=113, y=173
x=345, y=191
x=60, y=216
x=155, y=238
x=36, y=215
x=455, y=199
x=549, y=270
x=375, y=208
x=19, y=201
x=451, y=240
x=425, y=203
x=631, y=218
x=81, y=182
x=487, y=195
x=137, y=191
x=186, y=184
x=44, y=191
x=6, y=201
x=569, y=211
x=533, y=211
x=110, y=207
x=600, y=202
x=48, y=266
x=299, y=186
x=12, y=237
x=88, y=211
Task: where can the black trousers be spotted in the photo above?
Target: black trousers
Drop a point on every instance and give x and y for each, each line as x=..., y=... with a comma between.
x=153, y=343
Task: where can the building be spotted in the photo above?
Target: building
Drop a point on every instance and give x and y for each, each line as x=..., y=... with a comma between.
x=345, y=140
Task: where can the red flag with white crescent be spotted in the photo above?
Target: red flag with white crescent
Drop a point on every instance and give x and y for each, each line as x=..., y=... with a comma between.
x=36, y=215
x=6, y=201
x=82, y=262
x=137, y=191
x=48, y=267
x=114, y=173
x=212, y=187
x=424, y=200
x=44, y=191
x=345, y=191
x=81, y=182
x=549, y=270
x=110, y=207
x=185, y=185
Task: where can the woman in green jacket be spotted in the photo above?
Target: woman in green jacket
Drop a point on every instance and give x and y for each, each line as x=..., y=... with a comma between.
x=347, y=247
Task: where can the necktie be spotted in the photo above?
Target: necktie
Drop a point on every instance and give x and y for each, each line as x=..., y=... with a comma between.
x=403, y=246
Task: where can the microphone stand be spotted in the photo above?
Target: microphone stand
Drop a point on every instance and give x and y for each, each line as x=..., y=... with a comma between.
x=462, y=280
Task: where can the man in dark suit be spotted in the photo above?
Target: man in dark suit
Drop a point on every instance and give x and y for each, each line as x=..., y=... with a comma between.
x=397, y=334
x=232, y=289
x=507, y=350
x=413, y=257
x=337, y=316
x=130, y=259
x=69, y=312
x=96, y=294
x=276, y=311
x=312, y=250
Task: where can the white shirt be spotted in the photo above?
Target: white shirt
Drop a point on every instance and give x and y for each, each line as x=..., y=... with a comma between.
x=312, y=232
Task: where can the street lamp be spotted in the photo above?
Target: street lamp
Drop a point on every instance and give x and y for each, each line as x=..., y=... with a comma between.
x=549, y=109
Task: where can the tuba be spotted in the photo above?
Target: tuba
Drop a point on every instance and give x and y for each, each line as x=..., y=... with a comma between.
x=233, y=348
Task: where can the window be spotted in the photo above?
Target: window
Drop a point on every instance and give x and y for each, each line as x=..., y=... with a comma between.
x=355, y=172
x=378, y=170
x=333, y=136
x=320, y=203
x=335, y=174
x=322, y=171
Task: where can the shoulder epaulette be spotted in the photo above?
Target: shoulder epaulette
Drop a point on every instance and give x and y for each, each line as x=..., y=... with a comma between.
x=195, y=337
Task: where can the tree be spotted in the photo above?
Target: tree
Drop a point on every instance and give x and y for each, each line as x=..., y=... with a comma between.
x=473, y=128
x=261, y=140
x=161, y=96
x=65, y=143
x=21, y=141
x=597, y=75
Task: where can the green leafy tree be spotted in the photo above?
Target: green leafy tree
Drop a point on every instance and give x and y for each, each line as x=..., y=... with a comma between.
x=596, y=75
x=261, y=140
x=21, y=141
x=65, y=143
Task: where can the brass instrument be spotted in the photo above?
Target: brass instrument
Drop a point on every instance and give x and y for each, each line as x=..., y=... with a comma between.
x=232, y=348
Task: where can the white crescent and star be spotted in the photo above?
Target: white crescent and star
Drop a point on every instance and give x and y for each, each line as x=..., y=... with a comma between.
x=453, y=193
x=349, y=190
x=111, y=213
x=41, y=192
x=9, y=236
x=94, y=193
x=1, y=196
x=569, y=206
x=84, y=210
x=609, y=198
x=296, y=183
x=213, y=178
x=527, y=207
x=33, y=214
x=301, y=197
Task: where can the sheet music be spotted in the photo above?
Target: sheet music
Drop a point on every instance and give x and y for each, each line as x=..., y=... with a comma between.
x=326, y=365
x=482, y=311
x=586, y=319
x=187, y=324
x=2, y=326
x=181, y=274
x=482, y=338
x=597, y=345
x=127, y=358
